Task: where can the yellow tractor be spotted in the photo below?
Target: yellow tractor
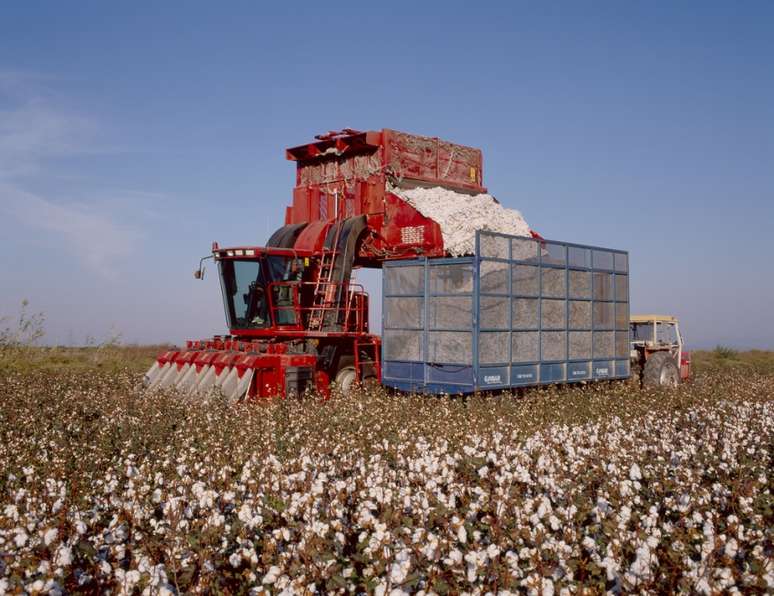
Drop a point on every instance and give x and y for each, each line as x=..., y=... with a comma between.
x=658, y=352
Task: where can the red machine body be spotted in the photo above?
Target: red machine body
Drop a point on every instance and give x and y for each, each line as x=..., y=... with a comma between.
x=350, y=173
x=296, y=321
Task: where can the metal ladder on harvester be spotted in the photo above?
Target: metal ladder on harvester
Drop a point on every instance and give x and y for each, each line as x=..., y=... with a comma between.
x=367, y=356
x=324, y=289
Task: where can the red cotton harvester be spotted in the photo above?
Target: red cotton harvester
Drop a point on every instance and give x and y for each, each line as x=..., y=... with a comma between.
x=296, y=320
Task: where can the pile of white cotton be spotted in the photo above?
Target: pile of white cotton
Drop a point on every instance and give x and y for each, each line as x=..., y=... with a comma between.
x=460, y=215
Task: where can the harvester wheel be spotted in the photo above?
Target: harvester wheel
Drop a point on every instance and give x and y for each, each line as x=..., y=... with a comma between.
x=660, y=371
x=346, y=377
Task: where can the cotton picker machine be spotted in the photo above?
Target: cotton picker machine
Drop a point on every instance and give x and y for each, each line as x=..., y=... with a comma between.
x=296, y=319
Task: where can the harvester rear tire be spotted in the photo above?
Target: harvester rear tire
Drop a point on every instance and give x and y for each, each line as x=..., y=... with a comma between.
x=660, y=371
x=346, y=377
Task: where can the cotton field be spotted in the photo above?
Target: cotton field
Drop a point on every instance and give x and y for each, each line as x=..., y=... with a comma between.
x=559, y=491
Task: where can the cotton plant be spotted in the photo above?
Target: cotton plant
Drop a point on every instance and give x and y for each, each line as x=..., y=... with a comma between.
x=598, y=487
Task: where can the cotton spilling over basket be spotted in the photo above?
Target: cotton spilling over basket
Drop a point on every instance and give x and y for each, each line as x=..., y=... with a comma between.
x=459, y=215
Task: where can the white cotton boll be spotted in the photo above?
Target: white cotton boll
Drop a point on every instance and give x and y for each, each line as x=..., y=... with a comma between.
x=430, y=550
x=768, y=577
x=641, y=568
x=702, y=586
x=708, y=529
x=462, y=535
x=131, y=578
x=50, y=535
x=320, y=529
x=544, y=508
x=11, y=512
x=554, y=522
x=20, y=539
x=198, y=488
x=156, y=496
x=611, y=566
x=726, y=575
x=63, y=556
x=271, y=575
x=589, y=544
x=216, y=519
x=454, y=558
x=398, y=573
x=547, y=587
x=635, y=473
x=731, y=548
x=493, y=551
x=235, y=560
x=472, y=571
x=483, y=471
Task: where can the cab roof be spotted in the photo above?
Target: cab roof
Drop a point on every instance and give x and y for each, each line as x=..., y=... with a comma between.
x=652, y=318
x=255, y=252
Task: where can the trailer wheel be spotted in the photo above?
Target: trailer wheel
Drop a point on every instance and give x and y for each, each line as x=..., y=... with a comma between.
x=346, y=377
x=660, y=371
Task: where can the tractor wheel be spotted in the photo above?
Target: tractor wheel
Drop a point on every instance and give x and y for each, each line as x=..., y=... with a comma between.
x=346, y=376
x=660, y=371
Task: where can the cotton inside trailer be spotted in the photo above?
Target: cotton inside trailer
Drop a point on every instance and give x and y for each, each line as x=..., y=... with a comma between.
x=519, y=312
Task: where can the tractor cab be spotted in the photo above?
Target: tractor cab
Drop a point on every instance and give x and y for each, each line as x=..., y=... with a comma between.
x=261, y=287
x=657, y=350
x=277, y=290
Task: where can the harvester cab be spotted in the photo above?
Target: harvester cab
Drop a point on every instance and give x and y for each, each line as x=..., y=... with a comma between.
x=658, y=354
x=261, y=288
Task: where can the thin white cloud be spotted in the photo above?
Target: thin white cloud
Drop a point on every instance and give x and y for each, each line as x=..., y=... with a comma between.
x=22, y=84
x=33, y=132
x=94, y=238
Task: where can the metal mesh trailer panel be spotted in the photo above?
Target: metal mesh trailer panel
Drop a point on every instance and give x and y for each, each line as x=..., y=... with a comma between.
x=520, y=312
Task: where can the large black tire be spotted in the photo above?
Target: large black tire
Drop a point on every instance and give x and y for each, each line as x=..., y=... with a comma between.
x=660, y=371
x=346, y=375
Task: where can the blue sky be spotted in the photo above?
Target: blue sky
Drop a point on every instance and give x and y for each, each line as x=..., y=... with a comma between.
x=132, y=136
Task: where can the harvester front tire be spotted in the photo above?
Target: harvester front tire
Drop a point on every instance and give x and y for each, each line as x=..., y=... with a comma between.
x=660, y=371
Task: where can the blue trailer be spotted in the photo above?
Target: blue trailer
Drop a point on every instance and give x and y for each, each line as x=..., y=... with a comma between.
x=520, y=312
